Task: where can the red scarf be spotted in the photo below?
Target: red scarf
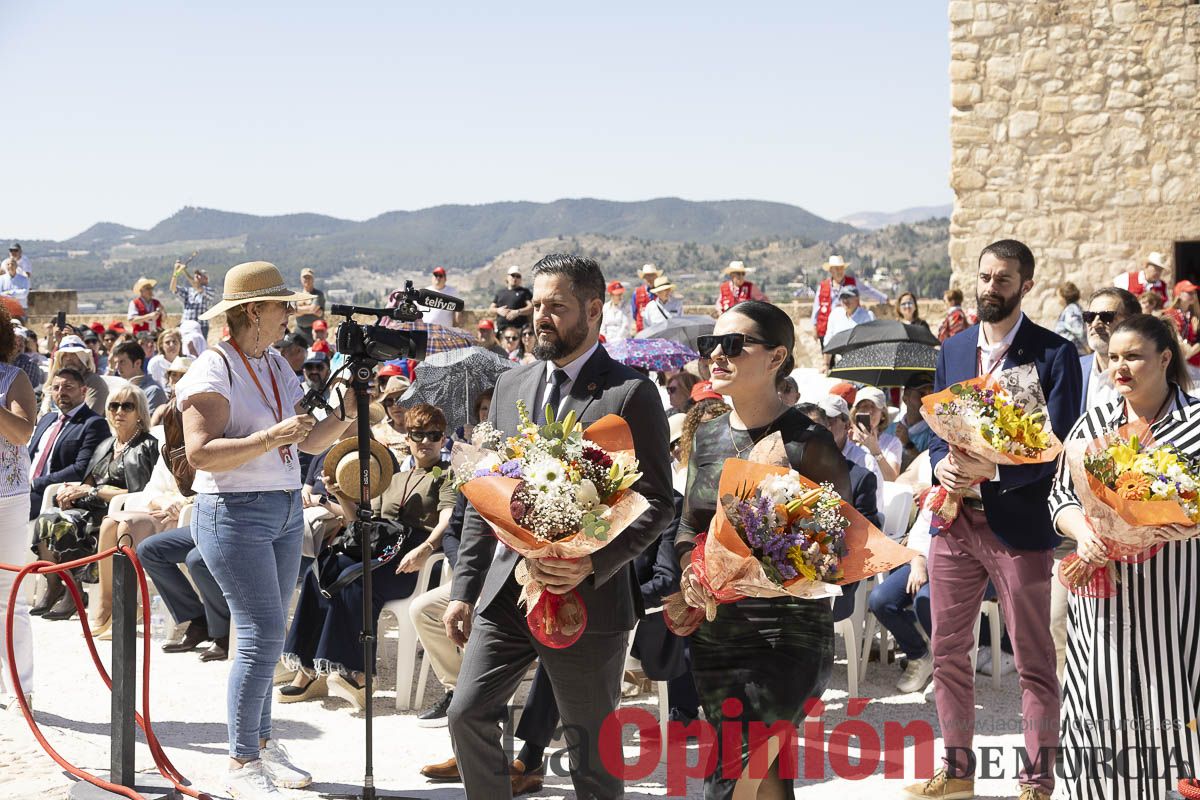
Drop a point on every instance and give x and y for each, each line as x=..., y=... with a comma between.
x=825, y=302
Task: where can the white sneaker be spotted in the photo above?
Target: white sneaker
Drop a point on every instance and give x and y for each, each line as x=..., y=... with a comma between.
x=916, y=675
x=9, y=703
x=279, y=766
x=1008, y=665
x=251, y=782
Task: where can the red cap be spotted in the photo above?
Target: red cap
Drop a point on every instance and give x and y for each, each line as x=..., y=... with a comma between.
x=616, y=286
x=487, y=325
x=388, y=370
x=98, y=327
x=845, y=390
x=439, y=270
x=1185, y=286
x=321, y=345
x=117, y=325
x=320, y=325
x=704, y=391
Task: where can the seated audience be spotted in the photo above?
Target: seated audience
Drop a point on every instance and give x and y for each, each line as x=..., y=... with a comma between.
x=72, y=353
x=869, y=419
x=121, y=463
x=322, y=643
x=64, y=440
x=206, y=614
x=787, y=389
x=169, y=347
x=901, y=602
x=129, y=361
x=911, y=429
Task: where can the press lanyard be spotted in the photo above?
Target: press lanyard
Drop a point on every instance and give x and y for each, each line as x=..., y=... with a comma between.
x=285, y=452
x=996, y=363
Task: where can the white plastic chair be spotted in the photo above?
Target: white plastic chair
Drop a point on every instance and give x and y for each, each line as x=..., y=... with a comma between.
x=897, y=510
x=406, y=644
x=991, y=610
x=660, y=688
x=851, y=630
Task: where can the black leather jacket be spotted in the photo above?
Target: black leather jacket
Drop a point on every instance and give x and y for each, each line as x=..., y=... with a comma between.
x=137, y=462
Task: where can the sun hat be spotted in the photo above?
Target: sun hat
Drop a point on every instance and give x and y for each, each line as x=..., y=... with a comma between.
x=397, y=384
x=662, y=283
x=648, y=269
x=180, y=365
x=835, y=261
x=142, y=283
x=341, y=465
x=735, y=267
x=1157, y=259
x=252, y=282
x=675, y=426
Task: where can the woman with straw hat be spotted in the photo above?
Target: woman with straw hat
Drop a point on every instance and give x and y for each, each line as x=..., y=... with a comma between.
x=664, y=305
x=243, y=426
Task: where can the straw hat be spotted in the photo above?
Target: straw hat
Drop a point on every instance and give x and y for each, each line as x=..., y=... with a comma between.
x=179, y=365
x=662, y=283
x=1157, y=259
x=341, y=465
x=252, y=282
x=376, y=414
x=736, y=266
x=397, y=384
x=835, y=261
x=647, y=269
x=142, y=283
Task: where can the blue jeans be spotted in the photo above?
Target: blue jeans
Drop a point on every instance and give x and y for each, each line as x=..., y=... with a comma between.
x=251, y=544
x=899, y=612
x=161, y=556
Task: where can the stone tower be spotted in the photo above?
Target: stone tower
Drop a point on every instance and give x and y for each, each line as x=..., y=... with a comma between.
x=1075, y=127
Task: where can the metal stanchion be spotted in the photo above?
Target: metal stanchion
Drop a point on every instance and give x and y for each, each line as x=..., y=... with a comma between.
x=124, y=697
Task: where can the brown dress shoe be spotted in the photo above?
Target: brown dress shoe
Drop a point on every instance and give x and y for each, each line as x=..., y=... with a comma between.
x=526, y=782
x=445, y=772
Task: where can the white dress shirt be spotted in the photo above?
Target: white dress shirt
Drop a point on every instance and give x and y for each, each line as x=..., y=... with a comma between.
x=839, y=321
x=572, y=371
x=16, y=287
x=22, y=265
x=41, y=443
x=1100, y=389
x=991, y=356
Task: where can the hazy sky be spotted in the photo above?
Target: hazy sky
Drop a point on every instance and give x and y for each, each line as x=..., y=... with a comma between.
x=127, y=111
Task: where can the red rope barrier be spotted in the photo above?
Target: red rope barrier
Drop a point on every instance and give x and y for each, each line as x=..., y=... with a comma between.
x=164, y=765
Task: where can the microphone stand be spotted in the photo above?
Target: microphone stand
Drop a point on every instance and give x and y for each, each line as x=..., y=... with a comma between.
x=360, y=383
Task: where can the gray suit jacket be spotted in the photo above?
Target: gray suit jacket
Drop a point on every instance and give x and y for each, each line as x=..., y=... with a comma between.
x=603, y=387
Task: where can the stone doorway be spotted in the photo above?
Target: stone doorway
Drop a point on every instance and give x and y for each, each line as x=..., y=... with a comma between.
x=1187, y=261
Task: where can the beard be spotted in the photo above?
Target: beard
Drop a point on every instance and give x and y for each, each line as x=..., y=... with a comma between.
x=562, y=343
x=994, y=307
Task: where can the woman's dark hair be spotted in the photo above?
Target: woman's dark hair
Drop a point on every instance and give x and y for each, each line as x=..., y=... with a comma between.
x=774, y=325
x=521, y=351
x=916, y=306
x=953, y=296
x=8, y=337
x=1069, y=292
x=486, y=394
x=1162, y=335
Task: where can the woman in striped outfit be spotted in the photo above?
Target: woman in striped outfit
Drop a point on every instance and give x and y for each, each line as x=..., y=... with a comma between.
x=1132, y=680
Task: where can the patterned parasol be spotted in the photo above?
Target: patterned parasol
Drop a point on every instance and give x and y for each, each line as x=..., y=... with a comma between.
x=453, y=380
x=659, y=355
x=683, y=329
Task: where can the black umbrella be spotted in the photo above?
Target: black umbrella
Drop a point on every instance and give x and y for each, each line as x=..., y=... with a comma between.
x=877, y=332
x=683, y=329
x=886, y=364
x=453, y=380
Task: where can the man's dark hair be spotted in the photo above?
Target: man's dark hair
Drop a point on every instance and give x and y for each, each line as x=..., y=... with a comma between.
x=808, y=409
x=587, y=281
x=131, y=350
x=1011, y=250
x=72, y=373
x=1129, y=302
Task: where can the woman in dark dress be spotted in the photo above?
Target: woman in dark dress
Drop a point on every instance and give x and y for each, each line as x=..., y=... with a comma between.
x=771, y=654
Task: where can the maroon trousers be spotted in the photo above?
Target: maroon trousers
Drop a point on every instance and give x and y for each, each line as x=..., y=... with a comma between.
x=961, y=560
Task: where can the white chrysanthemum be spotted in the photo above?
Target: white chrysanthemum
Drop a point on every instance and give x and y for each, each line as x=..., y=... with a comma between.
x=1162, y=488
x=546, y=474
x=781, y=488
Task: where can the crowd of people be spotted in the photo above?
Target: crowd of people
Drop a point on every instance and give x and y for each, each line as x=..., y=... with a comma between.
x=217, y=434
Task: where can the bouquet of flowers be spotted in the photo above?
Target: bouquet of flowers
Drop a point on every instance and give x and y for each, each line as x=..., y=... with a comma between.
x=777, y=533
x=1136, y=495
x=1000, y=418
x=552, y=491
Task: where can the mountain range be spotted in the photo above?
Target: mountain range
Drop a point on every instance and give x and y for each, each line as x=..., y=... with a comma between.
x=470, y=240
x=874, y=220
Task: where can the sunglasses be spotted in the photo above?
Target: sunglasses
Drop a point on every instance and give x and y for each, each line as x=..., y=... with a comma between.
x=1107, y=317
x=908, y=304
x=426, y=436
x=389, y=401
x=126, y=406
x=731, y=344
x=512, y=338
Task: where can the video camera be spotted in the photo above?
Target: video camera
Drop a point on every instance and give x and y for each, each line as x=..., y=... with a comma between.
x=375, y=343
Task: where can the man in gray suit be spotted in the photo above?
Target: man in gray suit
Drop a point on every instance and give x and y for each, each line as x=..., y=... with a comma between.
x=573, y=373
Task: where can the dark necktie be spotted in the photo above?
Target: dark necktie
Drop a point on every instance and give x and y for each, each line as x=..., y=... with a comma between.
x=553, y=397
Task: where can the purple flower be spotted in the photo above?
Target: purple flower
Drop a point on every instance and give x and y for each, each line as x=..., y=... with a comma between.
x=511, y=469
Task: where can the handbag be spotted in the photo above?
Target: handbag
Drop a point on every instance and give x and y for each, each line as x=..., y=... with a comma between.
x=388, y=540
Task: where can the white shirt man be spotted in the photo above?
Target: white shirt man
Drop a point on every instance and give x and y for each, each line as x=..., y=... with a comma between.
x=13, y=284
x=848, y=313
x=439, y=316
x=20, y=259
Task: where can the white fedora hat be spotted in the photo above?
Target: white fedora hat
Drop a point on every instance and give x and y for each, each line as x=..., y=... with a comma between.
x=252, y=282
x=835, y=261
x=648, y=269
x=1157, y=259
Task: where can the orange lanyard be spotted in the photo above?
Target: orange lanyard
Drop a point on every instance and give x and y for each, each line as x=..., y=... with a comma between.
x=285, y=452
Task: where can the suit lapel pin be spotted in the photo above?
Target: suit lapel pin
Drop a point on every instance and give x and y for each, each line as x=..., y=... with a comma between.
x=591, y=387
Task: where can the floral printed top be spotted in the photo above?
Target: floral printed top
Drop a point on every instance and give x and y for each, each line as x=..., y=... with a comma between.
x=14, y=457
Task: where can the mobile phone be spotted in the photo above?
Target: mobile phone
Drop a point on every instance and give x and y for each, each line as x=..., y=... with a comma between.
x=863, y=421
x=60, y=320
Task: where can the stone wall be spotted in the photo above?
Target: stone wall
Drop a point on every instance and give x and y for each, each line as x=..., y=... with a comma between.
x=1075, y=127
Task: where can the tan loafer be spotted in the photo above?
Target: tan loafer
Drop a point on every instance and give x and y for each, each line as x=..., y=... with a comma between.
x=445, y=772
x=525, y=781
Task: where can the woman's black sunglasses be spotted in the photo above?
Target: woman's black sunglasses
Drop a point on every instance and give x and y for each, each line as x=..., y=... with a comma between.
x=426, y=436
x=731, y=344
x=1107, y=317
x=127, y=406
